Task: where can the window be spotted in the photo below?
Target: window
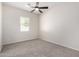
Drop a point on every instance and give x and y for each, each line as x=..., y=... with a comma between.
x=24, y=23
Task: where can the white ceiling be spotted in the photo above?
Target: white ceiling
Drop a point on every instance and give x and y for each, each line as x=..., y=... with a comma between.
x=50, y=5
x=23, y=6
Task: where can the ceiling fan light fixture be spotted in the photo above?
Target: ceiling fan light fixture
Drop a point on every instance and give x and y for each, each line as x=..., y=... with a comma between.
x=36, y=9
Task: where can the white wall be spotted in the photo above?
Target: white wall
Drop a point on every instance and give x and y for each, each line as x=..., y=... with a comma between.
x=0, y=26
x=11, y=25
x=60, y=25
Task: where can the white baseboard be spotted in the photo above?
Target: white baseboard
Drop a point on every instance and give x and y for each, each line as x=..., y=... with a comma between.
x=18, y=41
x=62, y=45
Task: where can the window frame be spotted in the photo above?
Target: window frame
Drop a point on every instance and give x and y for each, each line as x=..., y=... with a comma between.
x=26, y=27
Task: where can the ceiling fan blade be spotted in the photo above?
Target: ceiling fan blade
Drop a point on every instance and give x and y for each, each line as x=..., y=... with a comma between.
x=33, y=10
x=40, y=11
x=43, y=7
x=30, y=5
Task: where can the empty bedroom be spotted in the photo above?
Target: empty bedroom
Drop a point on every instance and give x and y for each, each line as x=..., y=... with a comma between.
x=39, y=29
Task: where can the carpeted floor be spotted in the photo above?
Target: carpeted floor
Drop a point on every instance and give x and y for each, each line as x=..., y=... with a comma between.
x=37, y=48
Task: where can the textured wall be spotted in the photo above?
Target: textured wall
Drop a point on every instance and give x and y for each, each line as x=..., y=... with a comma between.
x=0, y=26
x=11, y=25
x=61, y=25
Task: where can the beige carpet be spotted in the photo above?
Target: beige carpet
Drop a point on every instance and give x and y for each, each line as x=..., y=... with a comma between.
x=37, y=48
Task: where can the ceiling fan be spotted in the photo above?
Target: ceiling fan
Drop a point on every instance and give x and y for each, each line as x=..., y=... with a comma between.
x=37, y=8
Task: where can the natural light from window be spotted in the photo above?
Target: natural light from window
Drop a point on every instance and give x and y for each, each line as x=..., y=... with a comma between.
x=24, y=24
